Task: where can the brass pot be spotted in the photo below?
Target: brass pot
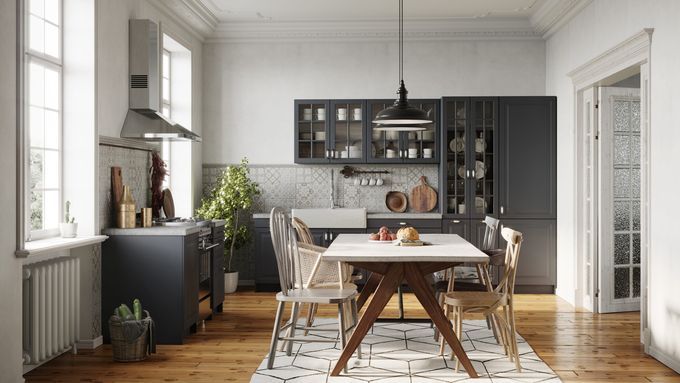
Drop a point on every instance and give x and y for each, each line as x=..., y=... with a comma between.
x=125, y=217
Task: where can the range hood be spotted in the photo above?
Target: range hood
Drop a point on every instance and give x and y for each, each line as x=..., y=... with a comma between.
x=143, y=121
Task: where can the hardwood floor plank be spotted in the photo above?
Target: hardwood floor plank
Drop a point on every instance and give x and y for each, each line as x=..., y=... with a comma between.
x=579, y=346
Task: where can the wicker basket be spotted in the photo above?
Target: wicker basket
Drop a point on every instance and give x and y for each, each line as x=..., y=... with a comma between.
x=129, y=350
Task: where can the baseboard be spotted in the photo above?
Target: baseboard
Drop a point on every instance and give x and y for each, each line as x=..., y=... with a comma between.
x=247, y=282
x=664, y=358
x=90, y=344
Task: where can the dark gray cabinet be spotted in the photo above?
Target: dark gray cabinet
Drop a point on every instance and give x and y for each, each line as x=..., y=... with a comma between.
x=424, y=226
x=312, y=132
x=538, y=255
x=472, y=230
x=528, y=158
x=217, y=270
x=162, y=271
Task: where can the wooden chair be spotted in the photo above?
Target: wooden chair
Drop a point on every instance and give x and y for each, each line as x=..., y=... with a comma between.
x=490, y=302
x=321, y=274
x=295, y=289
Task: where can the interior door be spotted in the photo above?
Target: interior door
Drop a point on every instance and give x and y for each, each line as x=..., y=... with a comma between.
x=619, y=199
x=590, y=216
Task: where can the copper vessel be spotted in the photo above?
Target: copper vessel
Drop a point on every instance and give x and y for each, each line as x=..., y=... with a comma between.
x=125, y=216
x=146, y=217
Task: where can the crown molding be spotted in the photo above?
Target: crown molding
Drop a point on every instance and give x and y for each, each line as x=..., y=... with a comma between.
x=551, y=15
x=190, y=14
x=373, y=30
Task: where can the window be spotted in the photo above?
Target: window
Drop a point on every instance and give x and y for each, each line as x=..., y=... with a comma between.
x=165, y=108
x=43, y=115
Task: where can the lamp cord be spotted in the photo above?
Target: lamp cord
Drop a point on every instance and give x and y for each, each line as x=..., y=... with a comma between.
x=401, y=40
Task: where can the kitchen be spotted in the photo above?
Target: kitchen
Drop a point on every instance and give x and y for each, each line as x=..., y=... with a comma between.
x=296, y=89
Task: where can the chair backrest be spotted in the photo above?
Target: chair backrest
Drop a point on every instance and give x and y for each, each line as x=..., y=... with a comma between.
x=514, y=239
x=286, y=250
x=303, y=233
x=489, y=232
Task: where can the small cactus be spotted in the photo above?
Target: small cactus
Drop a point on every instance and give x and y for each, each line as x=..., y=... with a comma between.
x=67, y=216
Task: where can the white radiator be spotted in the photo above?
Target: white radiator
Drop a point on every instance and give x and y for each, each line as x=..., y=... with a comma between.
x=51, y=307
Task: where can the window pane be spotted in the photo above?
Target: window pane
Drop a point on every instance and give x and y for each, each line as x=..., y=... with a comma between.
x=51, y=129
x=36, y=34
x=52, y=11
x=166, y=111
x=51, y=40
x=36, y=210
x=166, y=65
x=36, y=88
x=621, y=283
x=166, y=89
x=36, y=7
x=51, y=209
x=36, y=167
x=51, y=169
x=51, y=88
x=36, y=126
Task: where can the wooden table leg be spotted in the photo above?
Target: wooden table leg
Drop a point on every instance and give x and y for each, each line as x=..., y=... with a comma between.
x=388, y=282
x=425, y=295
x=369, y=287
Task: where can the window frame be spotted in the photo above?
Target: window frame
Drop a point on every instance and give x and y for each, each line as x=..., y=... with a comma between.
x=47, y=61
x=165, y=145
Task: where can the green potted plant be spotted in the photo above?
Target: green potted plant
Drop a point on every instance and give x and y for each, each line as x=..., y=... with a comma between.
x=68, y=228
x=230, y=199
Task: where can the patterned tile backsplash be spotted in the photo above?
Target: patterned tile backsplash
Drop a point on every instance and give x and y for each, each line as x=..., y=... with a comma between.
x=134, y=165
x=297, y=186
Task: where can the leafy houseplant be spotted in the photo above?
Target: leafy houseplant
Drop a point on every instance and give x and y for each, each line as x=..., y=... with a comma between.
x=229, y=200
x=68, y=228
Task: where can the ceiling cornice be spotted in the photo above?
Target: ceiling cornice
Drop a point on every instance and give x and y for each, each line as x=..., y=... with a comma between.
x=551, y=15
x=374, y=30
x=191, y=14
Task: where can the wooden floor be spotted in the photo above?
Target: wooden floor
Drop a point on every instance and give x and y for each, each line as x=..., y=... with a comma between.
x=578, y=346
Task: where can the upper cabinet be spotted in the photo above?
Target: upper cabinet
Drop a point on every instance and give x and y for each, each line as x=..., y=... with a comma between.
x=528, y=157
x=403, y=147
x=470, y=144
x=341, y=131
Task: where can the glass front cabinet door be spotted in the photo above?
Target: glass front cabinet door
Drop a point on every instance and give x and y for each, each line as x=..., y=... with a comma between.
x=311, y=131
x=348, y=119
x=470, y=144
x=403, y=147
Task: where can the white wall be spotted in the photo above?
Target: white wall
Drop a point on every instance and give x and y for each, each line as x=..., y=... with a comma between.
x=112, y=68
x=10, y=268
x=249, y=88
x=600, y=26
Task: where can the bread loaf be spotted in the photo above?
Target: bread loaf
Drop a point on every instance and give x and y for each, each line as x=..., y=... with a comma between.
x=408, y=233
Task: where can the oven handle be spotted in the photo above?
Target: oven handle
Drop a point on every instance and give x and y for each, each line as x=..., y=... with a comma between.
x=214, y=245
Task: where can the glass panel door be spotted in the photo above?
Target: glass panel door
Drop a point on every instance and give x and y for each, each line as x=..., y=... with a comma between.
x=456, y=120
x=421, y=146
x=311, y=136
x=347, y=129
x=383, y=146
x=481, y=143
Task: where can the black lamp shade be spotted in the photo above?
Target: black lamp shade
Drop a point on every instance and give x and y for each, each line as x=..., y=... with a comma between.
x=400, y=127
x=401, y=113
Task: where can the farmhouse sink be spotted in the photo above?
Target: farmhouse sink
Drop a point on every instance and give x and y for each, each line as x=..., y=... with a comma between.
x=339, y=218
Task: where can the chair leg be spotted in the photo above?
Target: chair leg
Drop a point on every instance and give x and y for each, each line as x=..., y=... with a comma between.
x=343, y=333
x=294, y=319
x=275, y=335
x=441, y=339
x=508, y=336
x=355, y=320
x=513, y=336
x=310, y=317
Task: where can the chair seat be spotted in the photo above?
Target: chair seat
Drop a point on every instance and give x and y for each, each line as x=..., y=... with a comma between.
x=473, y=298
x=496, y=256
x=314, y=295
x=333, y=285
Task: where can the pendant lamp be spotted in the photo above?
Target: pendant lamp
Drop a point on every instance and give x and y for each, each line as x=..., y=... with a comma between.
x=401, y=116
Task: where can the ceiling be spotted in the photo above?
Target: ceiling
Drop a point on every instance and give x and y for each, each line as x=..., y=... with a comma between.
x=339, y=10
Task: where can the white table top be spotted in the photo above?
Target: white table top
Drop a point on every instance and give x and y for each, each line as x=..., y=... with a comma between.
x=444, y=248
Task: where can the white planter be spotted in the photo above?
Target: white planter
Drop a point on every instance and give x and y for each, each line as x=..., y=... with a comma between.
x=68, y=230
x=230, y=282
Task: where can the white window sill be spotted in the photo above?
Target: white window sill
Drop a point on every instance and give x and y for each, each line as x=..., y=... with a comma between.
x=51, y=245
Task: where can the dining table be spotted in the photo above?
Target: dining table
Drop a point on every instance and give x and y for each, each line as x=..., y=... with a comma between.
x=390, y=265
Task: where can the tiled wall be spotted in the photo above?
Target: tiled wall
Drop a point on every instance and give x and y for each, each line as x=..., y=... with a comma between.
x=299, y=186
x=134, y=165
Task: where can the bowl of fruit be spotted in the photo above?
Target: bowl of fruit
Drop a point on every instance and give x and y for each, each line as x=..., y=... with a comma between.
x=384, y=235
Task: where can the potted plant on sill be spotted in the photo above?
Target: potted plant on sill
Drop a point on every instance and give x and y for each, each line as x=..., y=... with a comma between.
x=230, y=199
x=68, y=228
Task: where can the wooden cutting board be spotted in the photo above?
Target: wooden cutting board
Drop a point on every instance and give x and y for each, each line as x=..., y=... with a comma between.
x=423, y=197
x=116, y=186
x=168, y=204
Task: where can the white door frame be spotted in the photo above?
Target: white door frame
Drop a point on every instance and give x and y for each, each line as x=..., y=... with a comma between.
x=634, y=51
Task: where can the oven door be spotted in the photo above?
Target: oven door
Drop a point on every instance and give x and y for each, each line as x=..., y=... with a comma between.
x=205, y=281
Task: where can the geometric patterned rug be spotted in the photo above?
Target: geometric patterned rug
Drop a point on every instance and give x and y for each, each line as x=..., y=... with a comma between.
x=404, y=353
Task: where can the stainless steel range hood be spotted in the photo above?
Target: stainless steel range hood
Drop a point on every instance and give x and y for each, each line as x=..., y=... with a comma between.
x=143, y=121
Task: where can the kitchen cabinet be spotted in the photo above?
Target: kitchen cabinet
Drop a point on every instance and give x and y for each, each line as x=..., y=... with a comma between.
x=311, y=130
x=469, y=162
x=472, y=230
x=347, y=125
x=217, y=270
x=424, y=226
x=536, y=270
x=528, y=153
x=403, y=147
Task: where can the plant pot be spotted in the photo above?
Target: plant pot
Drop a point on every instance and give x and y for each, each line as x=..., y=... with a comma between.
x=230, y=282
x=68, y=230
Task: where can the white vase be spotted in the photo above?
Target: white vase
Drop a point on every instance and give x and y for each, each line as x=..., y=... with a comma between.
x=68, y=230
x=230, y=282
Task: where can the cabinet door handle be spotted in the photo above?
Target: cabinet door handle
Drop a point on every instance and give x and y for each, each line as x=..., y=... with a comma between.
x=403, y=223
x=328, y=153
x=473, y=173
x=457, y=221
x=467, y=173
x=502, y=210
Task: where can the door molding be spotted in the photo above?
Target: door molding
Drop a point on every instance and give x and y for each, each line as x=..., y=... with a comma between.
x=632, y=52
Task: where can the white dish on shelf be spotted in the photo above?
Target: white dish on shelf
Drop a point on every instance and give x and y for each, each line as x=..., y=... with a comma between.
x=457, y=144
x=461, y=171
x=320, y=136
x=480, y=145
x=480, y=169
